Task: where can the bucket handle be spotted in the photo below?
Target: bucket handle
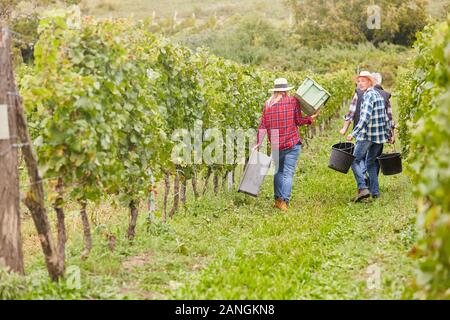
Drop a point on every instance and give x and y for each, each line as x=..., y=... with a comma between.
x=393, y=145
x=340, y=138
x=395, y=149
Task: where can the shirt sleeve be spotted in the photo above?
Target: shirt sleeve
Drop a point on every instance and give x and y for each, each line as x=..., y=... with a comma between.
x=299, y=120
x=389, y=114
x=366, y=111
x=351, y=111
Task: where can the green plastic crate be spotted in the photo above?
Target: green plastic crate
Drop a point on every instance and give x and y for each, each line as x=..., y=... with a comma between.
x=311, y=96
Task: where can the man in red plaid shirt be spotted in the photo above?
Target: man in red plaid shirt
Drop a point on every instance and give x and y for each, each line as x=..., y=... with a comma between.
x=281, y=118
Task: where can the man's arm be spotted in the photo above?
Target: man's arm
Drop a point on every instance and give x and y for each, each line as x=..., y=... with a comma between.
x=389, y=113
x=366, y=111
x=350, y=115
x=344, y=129
x=391, y=122
x=352, y=109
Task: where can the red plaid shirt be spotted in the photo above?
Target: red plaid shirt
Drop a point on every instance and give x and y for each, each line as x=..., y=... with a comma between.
x=281, y=121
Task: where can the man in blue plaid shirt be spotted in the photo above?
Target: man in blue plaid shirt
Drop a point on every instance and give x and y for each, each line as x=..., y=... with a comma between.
x=371, y=132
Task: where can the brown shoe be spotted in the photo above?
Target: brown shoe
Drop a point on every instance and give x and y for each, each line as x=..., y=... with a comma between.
x=282, y=205
x=277, y=203
x=362, y=194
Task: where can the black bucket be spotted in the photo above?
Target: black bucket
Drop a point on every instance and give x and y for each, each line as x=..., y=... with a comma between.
x=342, y=157
x=390, y=163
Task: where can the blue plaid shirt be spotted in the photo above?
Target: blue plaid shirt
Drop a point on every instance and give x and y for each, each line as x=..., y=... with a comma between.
x=374, y=124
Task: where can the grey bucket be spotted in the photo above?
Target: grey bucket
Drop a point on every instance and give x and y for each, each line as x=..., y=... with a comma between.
x=342, y=156
x=257, y=167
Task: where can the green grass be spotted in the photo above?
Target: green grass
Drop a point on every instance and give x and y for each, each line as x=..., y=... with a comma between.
x=324, y=248
x=232, y=246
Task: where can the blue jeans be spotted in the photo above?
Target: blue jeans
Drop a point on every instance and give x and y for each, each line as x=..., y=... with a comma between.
x=284, y=171
x=366, y=153
x=364, y=167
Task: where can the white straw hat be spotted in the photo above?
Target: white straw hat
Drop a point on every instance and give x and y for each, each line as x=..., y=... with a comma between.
x=280, y=85
x=367, y=75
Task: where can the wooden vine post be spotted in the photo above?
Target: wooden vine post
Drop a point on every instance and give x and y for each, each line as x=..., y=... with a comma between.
x=34, y=199
x=11, y=255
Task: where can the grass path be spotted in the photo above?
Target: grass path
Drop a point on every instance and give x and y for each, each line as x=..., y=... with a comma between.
x=325, y=247
x=232, y=246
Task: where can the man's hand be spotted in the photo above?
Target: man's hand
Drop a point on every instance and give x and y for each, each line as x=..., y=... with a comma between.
x=349, y=137
x=392, y=140
x=343, y=131
x=392, y=137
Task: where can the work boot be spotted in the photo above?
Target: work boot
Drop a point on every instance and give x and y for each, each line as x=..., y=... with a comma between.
x=277, y=202
x=282, y=205
x=362, y=194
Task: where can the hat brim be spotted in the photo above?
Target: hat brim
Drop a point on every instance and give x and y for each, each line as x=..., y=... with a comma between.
x=280, y=89
x=374, y=82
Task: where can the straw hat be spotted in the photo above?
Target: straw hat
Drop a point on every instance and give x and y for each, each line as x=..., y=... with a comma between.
x=368, y=75
x=281, y=85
